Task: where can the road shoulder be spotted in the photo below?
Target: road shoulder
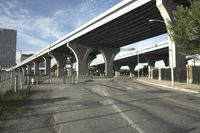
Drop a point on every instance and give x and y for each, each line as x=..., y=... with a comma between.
x=166, y=84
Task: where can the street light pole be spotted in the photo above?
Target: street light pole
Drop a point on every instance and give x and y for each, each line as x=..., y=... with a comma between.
x=170, y=50
x=172, y=63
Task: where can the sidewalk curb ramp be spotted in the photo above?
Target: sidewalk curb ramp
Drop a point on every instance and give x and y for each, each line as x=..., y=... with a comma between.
x=174, y=88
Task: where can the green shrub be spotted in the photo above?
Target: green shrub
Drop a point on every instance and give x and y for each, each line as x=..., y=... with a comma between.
x=11, y=101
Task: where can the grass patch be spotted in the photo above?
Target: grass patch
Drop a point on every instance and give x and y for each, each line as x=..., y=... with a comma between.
x=11, y=101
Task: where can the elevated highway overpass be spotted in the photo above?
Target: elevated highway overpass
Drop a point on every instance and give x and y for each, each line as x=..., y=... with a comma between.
x=149, y=55
x=159, y=51
x=123, y=24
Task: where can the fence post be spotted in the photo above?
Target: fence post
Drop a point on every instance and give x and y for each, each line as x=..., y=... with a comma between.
x=152, y=73
x=11, y=76
x=159, y=74
x=190, y=74
x=16, y=83
x=21, y=81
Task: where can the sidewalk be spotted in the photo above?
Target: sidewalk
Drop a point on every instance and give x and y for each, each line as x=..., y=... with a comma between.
x=191, y=88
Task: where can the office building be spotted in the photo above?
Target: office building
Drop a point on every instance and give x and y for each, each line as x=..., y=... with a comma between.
x=7, y=47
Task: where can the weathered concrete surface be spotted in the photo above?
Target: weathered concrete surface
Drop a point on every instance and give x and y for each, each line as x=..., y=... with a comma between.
x=107, y=105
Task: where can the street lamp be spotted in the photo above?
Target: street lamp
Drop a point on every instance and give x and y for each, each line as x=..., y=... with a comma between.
x=170, y=50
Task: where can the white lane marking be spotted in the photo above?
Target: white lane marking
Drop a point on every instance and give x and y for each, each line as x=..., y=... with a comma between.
x=118, y=110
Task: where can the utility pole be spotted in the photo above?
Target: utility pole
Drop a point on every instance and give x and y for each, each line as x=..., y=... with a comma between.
x=11, y=76
x=171, y=52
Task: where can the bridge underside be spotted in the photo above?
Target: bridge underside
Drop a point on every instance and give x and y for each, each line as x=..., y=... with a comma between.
x=156, y=55
x=129, y=28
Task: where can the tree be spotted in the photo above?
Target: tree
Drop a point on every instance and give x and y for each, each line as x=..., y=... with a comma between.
x=184, y=30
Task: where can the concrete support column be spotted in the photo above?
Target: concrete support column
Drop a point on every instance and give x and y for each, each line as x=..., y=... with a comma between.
x=90, y=59
x=36, y=68
x=19, y=70
x=81, y=53
x=151, y=63
x=28, y=70
x=28, y=79
x=47, y=65
x=70, y=70
x=23, y=75
x=117, y=70
x=132, y=68
x=36, y=71
x=23, y=70
x=61, y=63
x=150, y=72
x=109, y=55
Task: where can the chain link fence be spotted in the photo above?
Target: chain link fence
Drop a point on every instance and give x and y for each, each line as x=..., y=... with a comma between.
x=11, y=80
x=16, y=80
x=51, y=79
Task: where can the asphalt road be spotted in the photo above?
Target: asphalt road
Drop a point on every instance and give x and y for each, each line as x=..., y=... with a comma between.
x=107, y=106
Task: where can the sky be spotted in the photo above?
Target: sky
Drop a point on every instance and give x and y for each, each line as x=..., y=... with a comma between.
x=41, y=22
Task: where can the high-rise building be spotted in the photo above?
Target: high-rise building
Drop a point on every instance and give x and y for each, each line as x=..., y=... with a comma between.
x=7, y=47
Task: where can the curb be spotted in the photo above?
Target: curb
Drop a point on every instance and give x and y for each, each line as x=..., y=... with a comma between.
x=174, y=88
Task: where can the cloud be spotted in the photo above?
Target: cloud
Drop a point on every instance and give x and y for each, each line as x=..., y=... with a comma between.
x=88, y=10
x=29, y=26
x=33, y=41
x=36, y=31
x=47, y=29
